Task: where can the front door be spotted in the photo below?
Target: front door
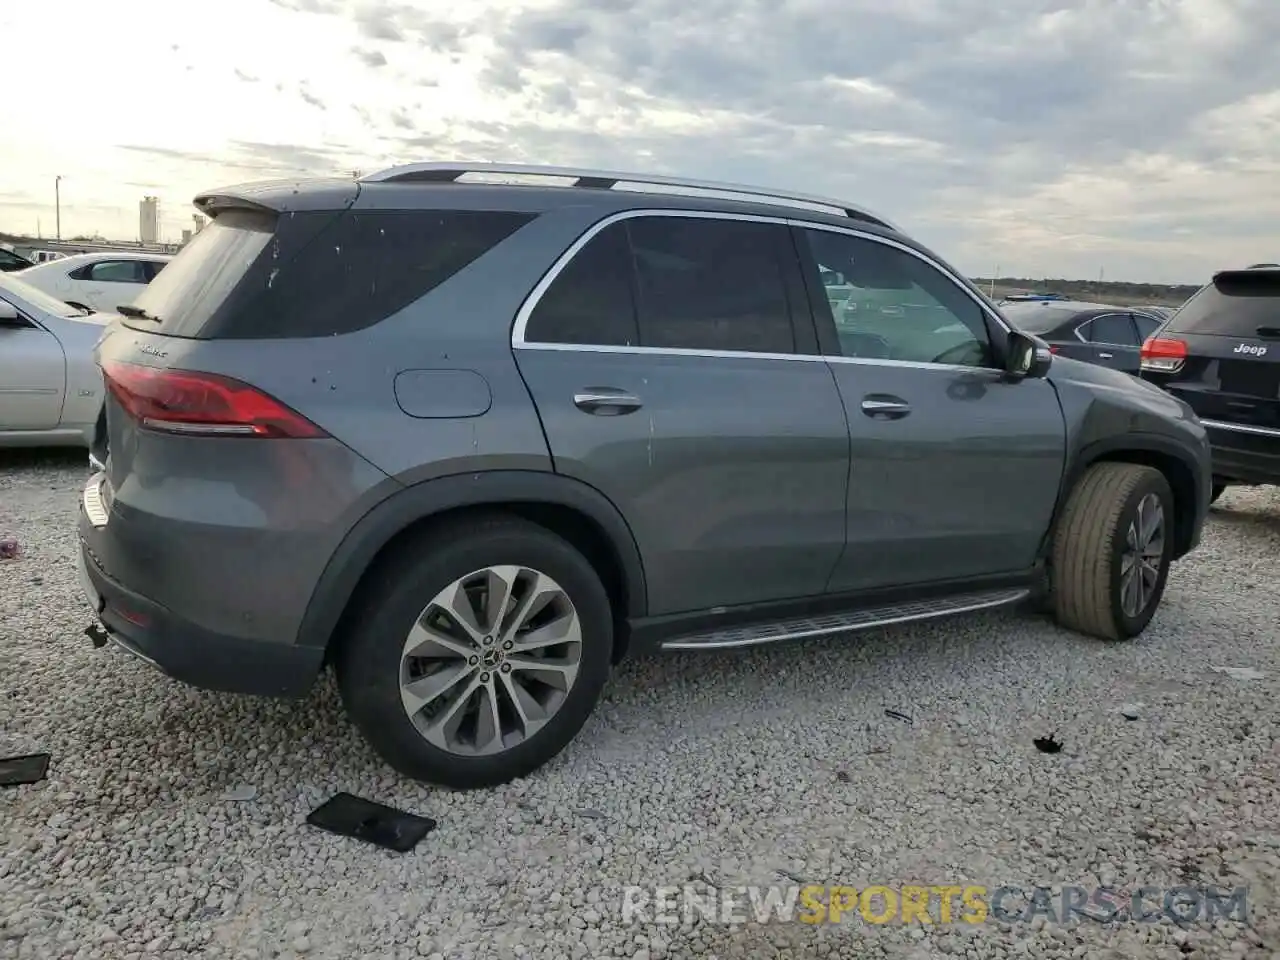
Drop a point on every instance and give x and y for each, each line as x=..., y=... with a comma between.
x=954, y=466
x=670, y=374
x=32, y=374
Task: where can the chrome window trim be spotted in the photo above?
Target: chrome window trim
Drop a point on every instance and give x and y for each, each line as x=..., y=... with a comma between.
x=531, y=301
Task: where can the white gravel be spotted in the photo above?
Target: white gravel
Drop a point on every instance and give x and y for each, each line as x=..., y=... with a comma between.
x=171, y=824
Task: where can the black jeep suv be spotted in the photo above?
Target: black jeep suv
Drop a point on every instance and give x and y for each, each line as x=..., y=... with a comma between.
x=1220, y=352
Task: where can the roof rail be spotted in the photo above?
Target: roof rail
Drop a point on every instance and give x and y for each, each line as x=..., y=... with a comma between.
x=450, y=172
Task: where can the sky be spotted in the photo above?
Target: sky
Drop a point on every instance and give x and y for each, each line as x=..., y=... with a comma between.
x=1133, y=139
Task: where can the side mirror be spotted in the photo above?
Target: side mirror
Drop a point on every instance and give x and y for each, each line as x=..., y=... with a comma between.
x=1027, y=356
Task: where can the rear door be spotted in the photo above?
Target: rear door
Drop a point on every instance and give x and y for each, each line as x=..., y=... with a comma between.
x=1114, y=341
x=108, y=283
x=1227, y=339
x=672, y=372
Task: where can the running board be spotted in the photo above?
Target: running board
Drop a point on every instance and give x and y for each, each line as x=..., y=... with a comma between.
x=863, y=619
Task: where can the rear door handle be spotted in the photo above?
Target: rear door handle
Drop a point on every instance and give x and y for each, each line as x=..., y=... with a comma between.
x=606, y=401
x=1104, y=356
x=885, y=405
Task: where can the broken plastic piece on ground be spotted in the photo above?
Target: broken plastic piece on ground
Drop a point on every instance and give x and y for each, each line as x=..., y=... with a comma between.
x=1240, y=673
x=1047, y=744
x=16, y=771
x=242, y=793
x=1131, y=711
x=895, y=715
x=360, y=819
x=9, y=549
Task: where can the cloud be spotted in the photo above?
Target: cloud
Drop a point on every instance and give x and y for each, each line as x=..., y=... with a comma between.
x=1048, y=136
x=371, y=58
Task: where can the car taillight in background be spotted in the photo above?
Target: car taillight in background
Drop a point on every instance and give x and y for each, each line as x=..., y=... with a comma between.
x=201, y=404
x=1163, y=355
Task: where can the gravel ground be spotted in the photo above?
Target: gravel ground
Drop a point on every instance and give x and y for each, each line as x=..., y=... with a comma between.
x=733, y=769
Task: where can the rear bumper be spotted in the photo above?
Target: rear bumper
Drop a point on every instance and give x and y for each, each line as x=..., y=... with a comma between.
x=1242, y=454
x=184, y=651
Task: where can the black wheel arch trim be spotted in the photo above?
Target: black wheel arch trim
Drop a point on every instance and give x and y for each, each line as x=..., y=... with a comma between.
x=1135, y=442
x=425, y=499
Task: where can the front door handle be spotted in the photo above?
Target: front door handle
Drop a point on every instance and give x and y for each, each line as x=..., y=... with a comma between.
x=883, y=405
x=606, y=401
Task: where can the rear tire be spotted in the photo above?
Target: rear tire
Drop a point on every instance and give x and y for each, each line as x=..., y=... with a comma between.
x=1100, y=539
x=381, y=679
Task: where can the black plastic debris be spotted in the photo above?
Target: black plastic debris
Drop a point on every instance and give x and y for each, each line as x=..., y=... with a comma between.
x=842, y=776
x=895, y=715
x=1047, y=744
x=9, y=550
x=16, y=771
x=376, y=823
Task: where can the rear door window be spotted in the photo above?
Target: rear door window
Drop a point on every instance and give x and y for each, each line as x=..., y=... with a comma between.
x=711, y=284
x=117, y=271
x=1244, y=304
x=251, y=275
x=591, y=301
x=1112, y=329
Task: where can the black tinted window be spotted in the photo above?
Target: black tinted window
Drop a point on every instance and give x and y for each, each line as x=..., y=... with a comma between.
x=1235, y=305
x=1147, y=325
x=895, y=306
x=314, y=274
x=591, y=301
x=707, y=284
x=1113, y=328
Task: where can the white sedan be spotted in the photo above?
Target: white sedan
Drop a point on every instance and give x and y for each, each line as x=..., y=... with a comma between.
x=51, y=390
x=99, y=281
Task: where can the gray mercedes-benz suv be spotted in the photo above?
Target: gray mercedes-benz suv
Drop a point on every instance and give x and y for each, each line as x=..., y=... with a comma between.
x=472, y=443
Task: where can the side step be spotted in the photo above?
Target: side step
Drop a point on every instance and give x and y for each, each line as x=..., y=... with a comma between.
x=862, y=619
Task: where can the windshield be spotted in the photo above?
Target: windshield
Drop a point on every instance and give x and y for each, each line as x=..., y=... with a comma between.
x=194, y=284
x=11, y=285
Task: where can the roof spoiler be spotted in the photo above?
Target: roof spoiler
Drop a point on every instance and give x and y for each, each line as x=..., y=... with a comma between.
x=279, y=196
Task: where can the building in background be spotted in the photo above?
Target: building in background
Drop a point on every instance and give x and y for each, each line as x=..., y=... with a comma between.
x=199, y=222
x=149, y=220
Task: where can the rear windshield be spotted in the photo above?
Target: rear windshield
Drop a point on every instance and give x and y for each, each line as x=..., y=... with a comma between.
x=1241, y=303
x=255, y=274
x=1035, y=318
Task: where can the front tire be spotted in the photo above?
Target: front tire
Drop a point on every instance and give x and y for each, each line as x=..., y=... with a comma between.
x=1112, y=551
x=480, y=656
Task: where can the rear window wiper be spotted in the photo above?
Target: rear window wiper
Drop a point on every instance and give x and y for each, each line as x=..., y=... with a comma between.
x=137, y=313
x=1268, y=333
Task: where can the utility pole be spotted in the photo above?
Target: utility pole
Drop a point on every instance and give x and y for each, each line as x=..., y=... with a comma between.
x=57, y=203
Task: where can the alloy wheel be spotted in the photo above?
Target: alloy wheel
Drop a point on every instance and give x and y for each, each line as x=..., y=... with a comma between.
x=490, y=660
x=1143, y=554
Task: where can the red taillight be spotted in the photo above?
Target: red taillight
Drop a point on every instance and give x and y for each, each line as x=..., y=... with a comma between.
x=1163, y=355
x=1054, y=348
x=201, y=404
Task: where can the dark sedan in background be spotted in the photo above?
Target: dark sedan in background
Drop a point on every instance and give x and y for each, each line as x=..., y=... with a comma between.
x=1097, y=333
